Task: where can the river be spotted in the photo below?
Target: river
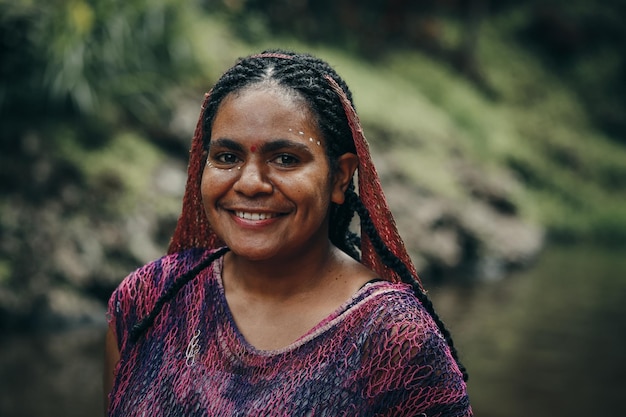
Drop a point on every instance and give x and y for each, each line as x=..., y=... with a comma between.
x=547, y=341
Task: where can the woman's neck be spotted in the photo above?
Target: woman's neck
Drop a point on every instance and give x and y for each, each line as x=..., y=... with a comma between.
x=282, y=278
x=275, y=304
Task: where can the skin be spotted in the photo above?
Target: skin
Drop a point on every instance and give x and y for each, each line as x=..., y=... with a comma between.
x=283, y=276
x=111, y=358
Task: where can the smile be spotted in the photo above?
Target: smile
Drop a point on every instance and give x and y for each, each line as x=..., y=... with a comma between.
x=255, y=216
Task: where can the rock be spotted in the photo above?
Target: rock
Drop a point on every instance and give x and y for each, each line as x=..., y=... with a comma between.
x=515, y=241
x=481, y=236
x=64, y=307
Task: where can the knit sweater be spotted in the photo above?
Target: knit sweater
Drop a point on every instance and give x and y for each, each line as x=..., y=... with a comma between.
x=379, y=354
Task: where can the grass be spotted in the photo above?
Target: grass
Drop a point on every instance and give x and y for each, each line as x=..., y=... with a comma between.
x=119, y=173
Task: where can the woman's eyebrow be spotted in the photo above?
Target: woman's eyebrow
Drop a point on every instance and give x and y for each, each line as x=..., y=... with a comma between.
x=227, y=143
x=267, y=147
x=278, y=144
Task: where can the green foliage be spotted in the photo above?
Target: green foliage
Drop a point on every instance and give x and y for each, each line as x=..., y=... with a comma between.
x=5, y=271
x=69, y=57
x=76, y=73
x=574, y=172
x=117, y=174
x=582, y=42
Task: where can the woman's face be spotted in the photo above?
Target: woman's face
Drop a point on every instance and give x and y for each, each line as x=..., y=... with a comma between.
x=267, y=186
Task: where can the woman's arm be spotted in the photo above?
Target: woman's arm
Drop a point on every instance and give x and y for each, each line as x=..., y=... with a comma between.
x=111, y=358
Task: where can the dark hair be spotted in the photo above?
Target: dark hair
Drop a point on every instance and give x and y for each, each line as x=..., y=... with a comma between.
x=306, y=75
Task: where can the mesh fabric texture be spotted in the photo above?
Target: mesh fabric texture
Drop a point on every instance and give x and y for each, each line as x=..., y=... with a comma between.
x=380, y=354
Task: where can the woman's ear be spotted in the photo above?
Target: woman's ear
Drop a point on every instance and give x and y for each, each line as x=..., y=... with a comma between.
x=346, y=165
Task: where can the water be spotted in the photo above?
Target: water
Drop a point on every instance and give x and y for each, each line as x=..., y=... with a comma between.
x=57, y=374
x=548, y=341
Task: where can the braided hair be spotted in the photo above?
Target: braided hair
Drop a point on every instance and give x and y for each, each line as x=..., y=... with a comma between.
x=330, y=101
x=391, y=260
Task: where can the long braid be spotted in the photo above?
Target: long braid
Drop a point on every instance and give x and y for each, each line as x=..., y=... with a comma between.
x=340, y=234
x=392, y=261
x=140, y=328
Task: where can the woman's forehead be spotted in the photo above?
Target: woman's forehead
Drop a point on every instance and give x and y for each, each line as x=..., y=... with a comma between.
x=263, y=113
x=262, y=105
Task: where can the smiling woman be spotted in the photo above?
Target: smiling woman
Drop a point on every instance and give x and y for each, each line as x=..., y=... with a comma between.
x=267, y=303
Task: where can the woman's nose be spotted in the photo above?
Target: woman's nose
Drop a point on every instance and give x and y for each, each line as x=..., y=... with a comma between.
x=253, y=179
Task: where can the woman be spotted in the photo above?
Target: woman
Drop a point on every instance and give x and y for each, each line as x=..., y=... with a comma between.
x=267, y=303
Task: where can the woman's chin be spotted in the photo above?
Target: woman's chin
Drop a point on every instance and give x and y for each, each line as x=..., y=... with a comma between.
x=253, y=253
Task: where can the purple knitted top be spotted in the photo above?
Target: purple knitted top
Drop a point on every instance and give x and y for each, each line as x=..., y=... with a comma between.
x=380, y=354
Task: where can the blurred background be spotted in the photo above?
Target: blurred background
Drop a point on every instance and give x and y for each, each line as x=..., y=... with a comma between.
x=498, y=128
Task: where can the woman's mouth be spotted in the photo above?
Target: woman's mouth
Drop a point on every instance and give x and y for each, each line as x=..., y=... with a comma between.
x=255, y=216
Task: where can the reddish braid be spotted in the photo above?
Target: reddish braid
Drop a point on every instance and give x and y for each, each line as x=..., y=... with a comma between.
x=373, y=198
x=193, y=229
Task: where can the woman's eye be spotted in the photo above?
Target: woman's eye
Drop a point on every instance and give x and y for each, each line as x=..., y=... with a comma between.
x=286, y=160
x=226, y=158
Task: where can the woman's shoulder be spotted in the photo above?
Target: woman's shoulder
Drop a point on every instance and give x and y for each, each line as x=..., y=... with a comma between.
x=394, y=307
x=160, y=271
x=144, y=285
x=419, y=370
x=392, y=296
x=403, y=333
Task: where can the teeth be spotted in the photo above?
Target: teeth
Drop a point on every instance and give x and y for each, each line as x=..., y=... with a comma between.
x=254, y=216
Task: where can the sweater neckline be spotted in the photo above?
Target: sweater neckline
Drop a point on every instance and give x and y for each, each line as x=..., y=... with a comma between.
x=370, y=289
